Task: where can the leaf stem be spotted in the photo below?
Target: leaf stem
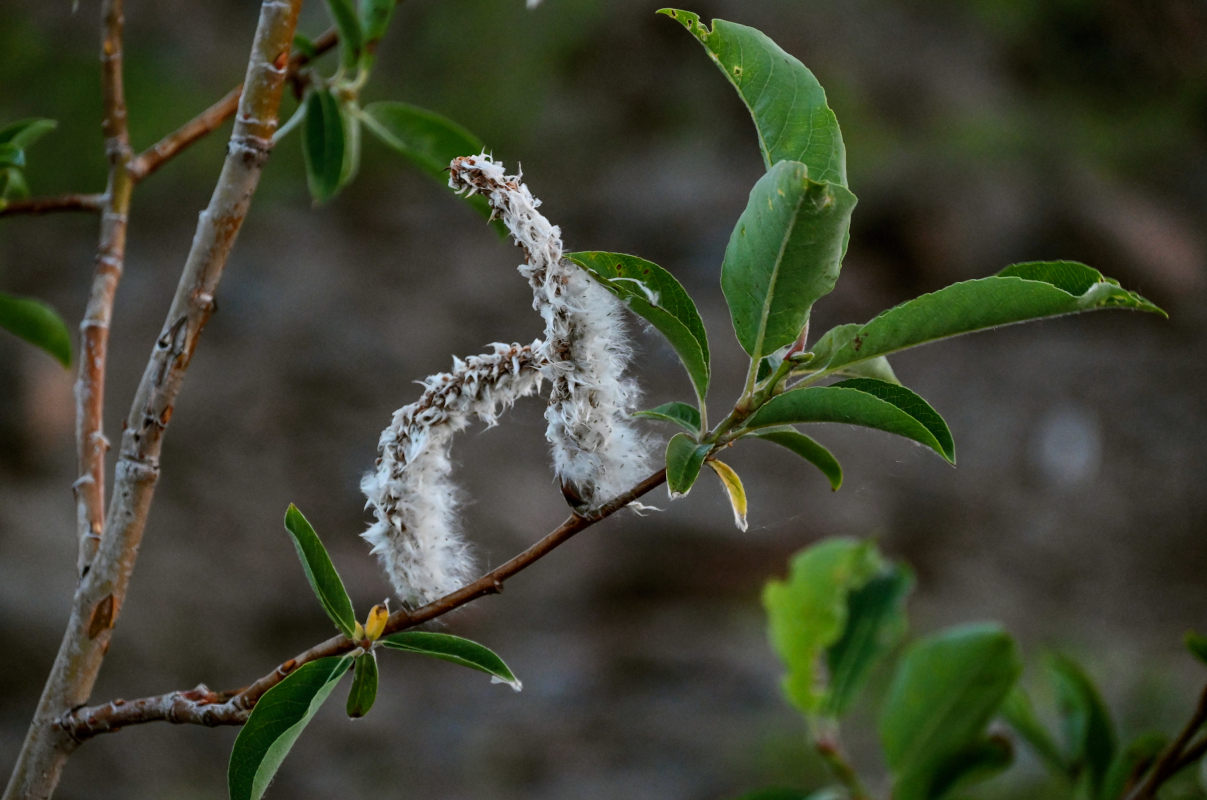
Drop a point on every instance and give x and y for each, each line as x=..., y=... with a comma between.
x=36, y=206
x=1180, y=753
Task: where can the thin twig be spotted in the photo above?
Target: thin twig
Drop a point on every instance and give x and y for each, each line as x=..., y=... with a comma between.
x=50, y=205
x=101, y=592
x=200, y=706
x=1175, y=755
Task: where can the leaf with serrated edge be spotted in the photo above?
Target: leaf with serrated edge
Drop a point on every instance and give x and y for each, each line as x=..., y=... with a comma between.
x=364, y=685
x=456, y=650
x=853, y=405
x=806, y=448
x=323, y=144
x=320, y=572
x=946, y=689
x=785, y=252
x=734, y=489
x=677, y=412
x=807, y=612
x=1022, y=292
x=657, y=296
x=36, y=323
x=684, y=457
x=785, y=100
x=276, y=722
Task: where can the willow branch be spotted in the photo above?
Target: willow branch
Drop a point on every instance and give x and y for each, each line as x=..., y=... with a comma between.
x=49, y=205
x=101, y=592
x=1176, y=755
x=200, y=706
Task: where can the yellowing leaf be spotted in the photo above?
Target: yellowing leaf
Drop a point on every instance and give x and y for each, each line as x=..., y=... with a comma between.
x=376, y=622
x=733, y=486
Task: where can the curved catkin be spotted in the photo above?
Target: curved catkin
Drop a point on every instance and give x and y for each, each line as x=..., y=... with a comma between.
x=414, y=501
x=597, y=452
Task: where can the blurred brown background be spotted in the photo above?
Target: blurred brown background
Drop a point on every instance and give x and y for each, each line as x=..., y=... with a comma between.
x=979, y=134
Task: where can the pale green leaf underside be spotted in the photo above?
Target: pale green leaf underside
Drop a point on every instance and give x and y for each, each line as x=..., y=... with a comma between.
x=684, y=415
x=655, y=294
x=784, y=253
x=276, y=722
x=806, y=448
x=807, y=613
x=36, y=323
x=320, y=572
x=1019, y=293
x=684, y=457
x=885, y=406
x=453, y=649
x=946, y=689
x=785, y=100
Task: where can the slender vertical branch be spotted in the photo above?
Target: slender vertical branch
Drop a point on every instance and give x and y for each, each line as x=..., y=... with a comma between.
x=101, y=592
x=91, y=443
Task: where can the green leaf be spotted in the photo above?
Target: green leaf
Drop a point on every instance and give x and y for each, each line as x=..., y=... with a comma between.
x=785, y=100
x=23, y=133
x=324, y=580
x=807, y=449
x=684, y=457
x=784, y=253
x=364, y=685
x=1131, y=763
x=779, y=793
x=36, y=323
x=1089, y=731
x=876, y=368
x=876, y=624
x=276, y=722
x=351, y=41
x=910, y=403
x=808, y=613
x=945, y=690
x=1019, y=293
x=654, y=294
x=304, y=45
x=12, y=185
x=375, y=19
x=903, y=414
x=734, y=489
x=323, y=144
x=978, y=761
x=1196, y=643
x=350, y=122
x=682, y=414
x=1019, y=712
x=456, y=650
x=11, y=155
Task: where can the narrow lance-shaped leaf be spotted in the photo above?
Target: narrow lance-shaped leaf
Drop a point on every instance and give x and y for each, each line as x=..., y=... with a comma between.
x=456, y=650
x=1019, y=293
x=276, y=722
x=654, y=294
x=320, y=572
x=351, y=38
x=888, y=408
x=807, y=613
x=23, y=133
x=945, y=690
x=684, y=458
x=36, y=323
x=784, y=253
x=350, y=121
x=364, y=685
x=1089, y=731
x=788, y=105
x=734, y=489
x=806, y=448
x=678, y=413
x=323, y=144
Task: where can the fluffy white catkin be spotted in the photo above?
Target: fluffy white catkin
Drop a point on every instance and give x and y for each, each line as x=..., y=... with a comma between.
x=597, y=451
x=415, y=534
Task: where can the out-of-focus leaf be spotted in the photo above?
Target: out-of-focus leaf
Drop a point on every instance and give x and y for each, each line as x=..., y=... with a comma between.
x=351, y=163
x=777, y=793
x=12, y=185
x=977, y=762
x=784, y=253
x=734, y=489
x=375, y=19
x=1131, y=763
x=787, y=103
x=1196, y=643
x=1019, y=712
x=276, y=722
x=1089, y=731
x=351, y=37
x=682, y=414
x=946, y=689
x=23, y=133
x=684, y=457
x=36, y=323
x=320, y=572
x=456, y=650
x=806, y=448
x=364, y=685
x=323, y=144
x=653, y=293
